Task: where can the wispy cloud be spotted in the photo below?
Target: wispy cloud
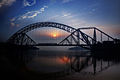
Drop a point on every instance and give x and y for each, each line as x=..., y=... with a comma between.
x=28, y=15
x=62, y=1
x=64, y=14
x=6, y=2
x=29, y=3
x=66, y=1
x=68, y=18
x=32, y=14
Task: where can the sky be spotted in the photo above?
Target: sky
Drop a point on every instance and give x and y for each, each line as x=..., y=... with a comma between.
x=16, y=14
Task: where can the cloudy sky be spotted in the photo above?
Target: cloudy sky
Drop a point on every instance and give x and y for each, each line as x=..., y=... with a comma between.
x=16, y=14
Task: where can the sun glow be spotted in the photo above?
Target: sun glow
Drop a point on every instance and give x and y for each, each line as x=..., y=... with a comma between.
x=54, y=34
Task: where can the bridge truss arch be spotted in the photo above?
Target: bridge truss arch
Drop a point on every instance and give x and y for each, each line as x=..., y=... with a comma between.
x=21, y=38
x=75, y=38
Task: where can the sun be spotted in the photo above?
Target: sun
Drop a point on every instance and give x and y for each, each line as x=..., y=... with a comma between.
x=54, y=35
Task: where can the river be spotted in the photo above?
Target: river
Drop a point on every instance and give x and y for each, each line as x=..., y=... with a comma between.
x=61, y=65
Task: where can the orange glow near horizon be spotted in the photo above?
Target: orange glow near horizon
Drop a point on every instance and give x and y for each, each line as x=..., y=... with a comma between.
x=54, y=34
x=64, y=59
x=50, y=33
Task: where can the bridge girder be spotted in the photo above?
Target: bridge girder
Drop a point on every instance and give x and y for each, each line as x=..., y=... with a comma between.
x=17, y=37
x=79, y=38
x=46, y=24
x=21, y=39
x=76, y=36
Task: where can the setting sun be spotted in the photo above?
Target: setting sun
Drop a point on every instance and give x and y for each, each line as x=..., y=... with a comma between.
x=54, y=35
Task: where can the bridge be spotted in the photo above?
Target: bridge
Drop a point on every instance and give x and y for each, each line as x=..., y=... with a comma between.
x=77, y=37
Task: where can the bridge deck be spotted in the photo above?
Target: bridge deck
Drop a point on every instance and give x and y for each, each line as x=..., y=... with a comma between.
x=55, y=44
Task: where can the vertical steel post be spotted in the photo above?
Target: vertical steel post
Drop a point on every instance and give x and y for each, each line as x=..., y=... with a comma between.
x=94, y=36
x=78, y=37
x=101, y=37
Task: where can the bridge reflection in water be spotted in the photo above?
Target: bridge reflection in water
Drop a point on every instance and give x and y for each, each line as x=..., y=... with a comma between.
x=65, y=62
x=96, y=64
x=57, y=64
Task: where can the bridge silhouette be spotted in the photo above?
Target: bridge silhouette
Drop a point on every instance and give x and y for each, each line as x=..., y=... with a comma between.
x=76, y=38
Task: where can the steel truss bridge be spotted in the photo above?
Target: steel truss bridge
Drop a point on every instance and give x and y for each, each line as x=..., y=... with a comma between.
x=77, y=37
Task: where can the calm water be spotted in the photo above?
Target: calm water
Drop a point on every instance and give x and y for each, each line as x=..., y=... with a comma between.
x=78, y=64
x=61, y=65
x=52, y=61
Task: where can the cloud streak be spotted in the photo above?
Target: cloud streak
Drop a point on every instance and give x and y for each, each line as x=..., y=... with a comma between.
x=66, y=1
x=6, y=2
x=62, y=1
x=68, y=18
x=28, y=3
x=32, y=14
x=28, y=15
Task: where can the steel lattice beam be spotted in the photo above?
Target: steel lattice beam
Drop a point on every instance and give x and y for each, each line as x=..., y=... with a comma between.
x=76, y=36
x=16, y=38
